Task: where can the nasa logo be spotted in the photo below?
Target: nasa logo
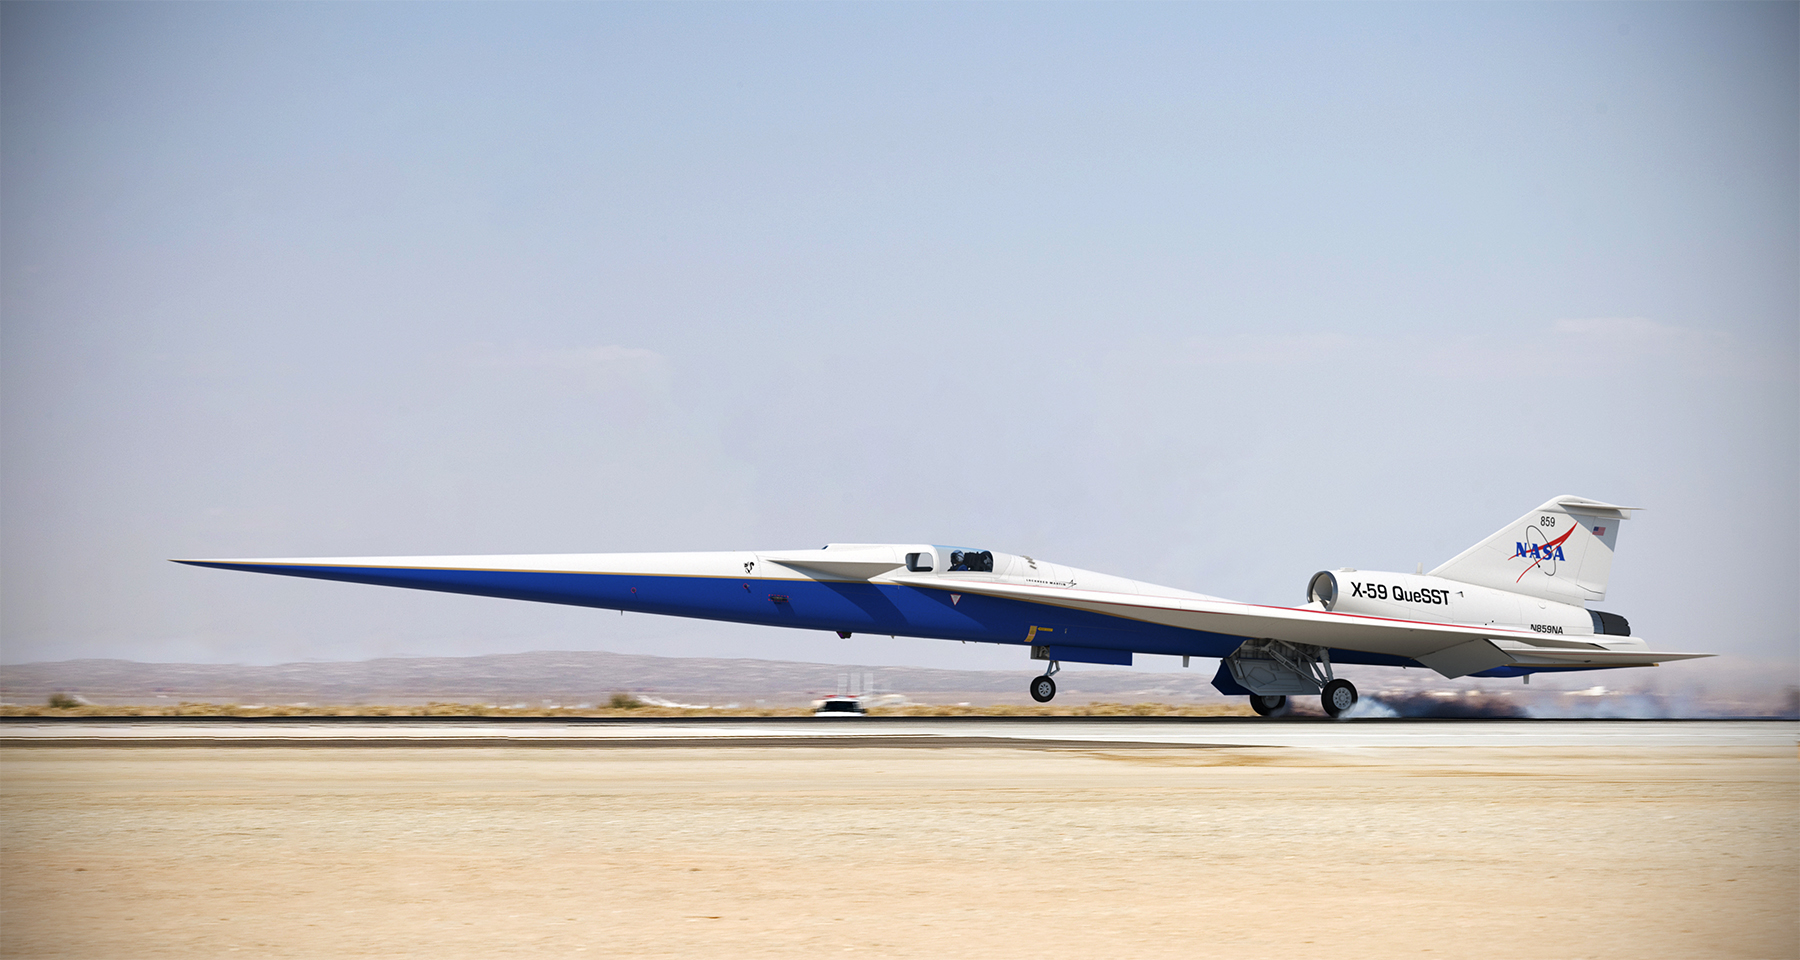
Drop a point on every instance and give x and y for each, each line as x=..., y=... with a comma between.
x=1540, y=549
x=1537, y=552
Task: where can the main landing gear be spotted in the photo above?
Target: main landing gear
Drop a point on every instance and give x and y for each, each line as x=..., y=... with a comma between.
x=1337, y=698
x=1043, y=689
x=1273, y=670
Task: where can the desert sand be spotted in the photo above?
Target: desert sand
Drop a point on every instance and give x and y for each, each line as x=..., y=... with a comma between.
x=953, y=852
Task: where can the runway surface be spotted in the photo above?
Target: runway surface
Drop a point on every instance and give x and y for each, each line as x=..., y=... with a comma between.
x=899, y=732
x=938, y=838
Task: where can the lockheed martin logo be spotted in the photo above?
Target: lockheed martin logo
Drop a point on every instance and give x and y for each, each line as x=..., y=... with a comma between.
x=1540, y=549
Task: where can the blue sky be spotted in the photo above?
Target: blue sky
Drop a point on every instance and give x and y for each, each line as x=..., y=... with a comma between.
x=1210, y=295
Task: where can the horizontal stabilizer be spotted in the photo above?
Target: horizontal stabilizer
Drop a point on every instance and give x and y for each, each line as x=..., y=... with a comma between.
x=1526, y=655
x=1476, y=656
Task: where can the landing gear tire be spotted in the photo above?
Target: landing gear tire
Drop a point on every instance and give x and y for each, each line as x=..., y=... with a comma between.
x=1339, y=696
x=1043, y=689
x=1269, y=706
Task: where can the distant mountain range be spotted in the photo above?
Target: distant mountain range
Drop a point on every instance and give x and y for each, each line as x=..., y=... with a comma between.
x=567, y=678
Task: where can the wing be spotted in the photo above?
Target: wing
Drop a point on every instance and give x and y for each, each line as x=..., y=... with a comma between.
x=1445, y=647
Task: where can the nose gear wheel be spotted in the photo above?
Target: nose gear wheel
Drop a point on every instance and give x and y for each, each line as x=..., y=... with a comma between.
x=1043, y=689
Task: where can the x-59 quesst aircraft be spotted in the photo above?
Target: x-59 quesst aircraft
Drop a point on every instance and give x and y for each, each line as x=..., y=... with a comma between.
x=1510, y=606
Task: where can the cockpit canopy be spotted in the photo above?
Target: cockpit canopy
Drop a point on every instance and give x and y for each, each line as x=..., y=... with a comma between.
x=959, y=560
x=971, y=561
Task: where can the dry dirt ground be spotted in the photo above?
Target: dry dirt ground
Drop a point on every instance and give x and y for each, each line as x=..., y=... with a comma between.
x=896, y=852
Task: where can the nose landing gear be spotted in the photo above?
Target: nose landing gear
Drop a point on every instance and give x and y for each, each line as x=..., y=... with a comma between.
x=1043, y=689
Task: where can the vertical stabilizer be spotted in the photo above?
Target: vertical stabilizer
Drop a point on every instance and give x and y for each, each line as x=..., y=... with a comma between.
x=1562, y=551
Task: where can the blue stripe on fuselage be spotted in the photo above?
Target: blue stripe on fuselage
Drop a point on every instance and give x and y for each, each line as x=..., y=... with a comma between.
x=849, y=606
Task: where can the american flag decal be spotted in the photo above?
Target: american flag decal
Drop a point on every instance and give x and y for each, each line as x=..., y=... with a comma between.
x=1599, y=531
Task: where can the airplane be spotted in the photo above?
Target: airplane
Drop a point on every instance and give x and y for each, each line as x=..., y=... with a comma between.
x=1512, y=605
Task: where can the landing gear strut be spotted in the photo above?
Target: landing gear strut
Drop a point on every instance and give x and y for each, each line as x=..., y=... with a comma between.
x=1043, y=689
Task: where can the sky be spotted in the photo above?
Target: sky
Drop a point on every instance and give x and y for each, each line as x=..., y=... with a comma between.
x=1209, y=295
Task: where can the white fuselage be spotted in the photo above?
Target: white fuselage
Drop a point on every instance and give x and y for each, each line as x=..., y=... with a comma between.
x=1410, y=596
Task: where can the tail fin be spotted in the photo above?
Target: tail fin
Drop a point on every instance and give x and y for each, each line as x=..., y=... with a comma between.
x=1561, y=551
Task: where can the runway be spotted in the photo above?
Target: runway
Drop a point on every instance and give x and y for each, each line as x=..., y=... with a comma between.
x=979, y=838
x=936, y=732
